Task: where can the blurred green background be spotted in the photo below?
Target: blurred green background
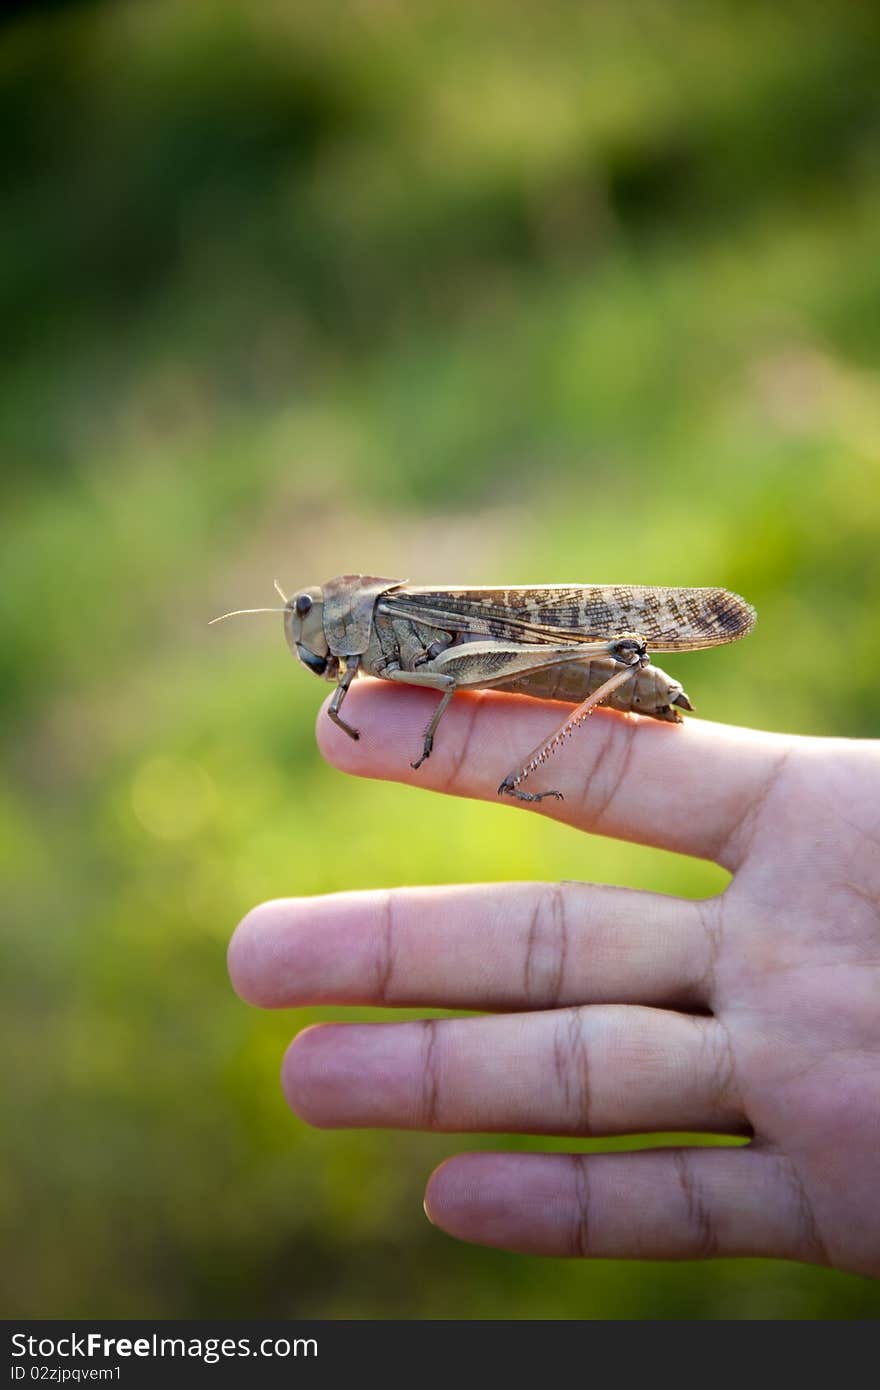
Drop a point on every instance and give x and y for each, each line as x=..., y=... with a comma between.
x=497, y=293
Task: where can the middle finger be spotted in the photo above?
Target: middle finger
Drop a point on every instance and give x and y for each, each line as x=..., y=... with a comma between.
x=603, y=1069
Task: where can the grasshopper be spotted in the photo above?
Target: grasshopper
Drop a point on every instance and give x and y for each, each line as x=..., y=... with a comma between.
x=586, y=644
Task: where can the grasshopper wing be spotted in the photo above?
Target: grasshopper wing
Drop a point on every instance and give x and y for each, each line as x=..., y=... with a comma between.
x=668, y=619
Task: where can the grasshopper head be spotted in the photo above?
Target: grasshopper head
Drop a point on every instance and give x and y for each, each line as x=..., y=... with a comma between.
x=304, y=630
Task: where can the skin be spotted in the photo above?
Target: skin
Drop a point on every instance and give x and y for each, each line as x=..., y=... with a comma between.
x=609, y=1011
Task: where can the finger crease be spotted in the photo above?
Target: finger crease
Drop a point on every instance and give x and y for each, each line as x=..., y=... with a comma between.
x=736, y=842
x=461, y=758
x=728, y=1086
x=529, y=962
x=711, y=914
x=560, y=921
x=812, y=1245
x=572, y=1064
x=430, y=1080
x=699, y=1216
x=599, y=808
x=580, y=1230
x=546, y=949
x=718, y=1064
x=385, y=961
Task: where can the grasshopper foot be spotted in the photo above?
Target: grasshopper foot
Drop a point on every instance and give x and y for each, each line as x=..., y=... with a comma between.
x=341, y=724
x=509, y=788
x=420, y=761
x=426, y=751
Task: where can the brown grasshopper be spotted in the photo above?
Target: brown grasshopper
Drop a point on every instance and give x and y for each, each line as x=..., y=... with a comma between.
x=587, y=644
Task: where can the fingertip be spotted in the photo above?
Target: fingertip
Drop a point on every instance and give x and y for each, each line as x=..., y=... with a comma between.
x=432, y=1189
x=304, y=1069
x=454, y=1191
x=478, y=1197
x=247, y=958
x=435, y=1189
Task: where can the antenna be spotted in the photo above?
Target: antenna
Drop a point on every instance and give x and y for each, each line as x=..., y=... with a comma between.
x=237, y=612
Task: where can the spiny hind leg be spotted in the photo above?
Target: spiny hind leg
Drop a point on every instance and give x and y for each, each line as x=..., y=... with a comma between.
x=510, y=785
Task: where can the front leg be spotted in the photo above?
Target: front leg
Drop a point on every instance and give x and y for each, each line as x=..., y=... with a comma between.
x=339, y=694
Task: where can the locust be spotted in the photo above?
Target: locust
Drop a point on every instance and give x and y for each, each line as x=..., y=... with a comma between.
x=584, y=644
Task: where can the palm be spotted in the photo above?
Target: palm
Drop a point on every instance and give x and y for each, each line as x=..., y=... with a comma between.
x=797, y=988
x=613, y=1011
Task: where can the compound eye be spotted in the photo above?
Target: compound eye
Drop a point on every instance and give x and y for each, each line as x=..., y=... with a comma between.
x=303, y=604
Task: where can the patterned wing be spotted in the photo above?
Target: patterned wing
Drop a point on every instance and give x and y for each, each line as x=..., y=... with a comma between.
x=668, y=619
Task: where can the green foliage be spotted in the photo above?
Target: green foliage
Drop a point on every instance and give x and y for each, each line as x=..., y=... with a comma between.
x=498, y=293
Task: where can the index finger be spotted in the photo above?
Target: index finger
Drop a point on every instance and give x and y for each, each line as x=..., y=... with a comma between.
x=685, y=787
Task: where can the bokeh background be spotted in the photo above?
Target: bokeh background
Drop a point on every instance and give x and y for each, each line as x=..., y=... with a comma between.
x=498, y=293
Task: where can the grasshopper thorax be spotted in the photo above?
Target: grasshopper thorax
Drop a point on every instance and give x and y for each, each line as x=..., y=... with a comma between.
x=304, y=630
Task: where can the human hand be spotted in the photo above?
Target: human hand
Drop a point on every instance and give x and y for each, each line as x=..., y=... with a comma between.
x=756, y=1012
